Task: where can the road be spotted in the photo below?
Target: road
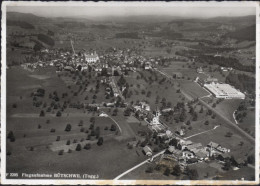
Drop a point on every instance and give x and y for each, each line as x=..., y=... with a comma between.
x=242, y=132
x=201, y=132
x=140, y=164
x=120, y=93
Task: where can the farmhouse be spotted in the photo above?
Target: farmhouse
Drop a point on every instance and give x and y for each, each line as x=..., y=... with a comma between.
x=224, y=91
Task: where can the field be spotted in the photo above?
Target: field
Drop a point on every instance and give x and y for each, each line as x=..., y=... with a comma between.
x=36, y=146
x=193, y=89
x=249, y=123
x=228, y=107
x=90, y=161
x=140, y=88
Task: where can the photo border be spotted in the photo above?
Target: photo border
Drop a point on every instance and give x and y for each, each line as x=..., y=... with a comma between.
x=123, y=182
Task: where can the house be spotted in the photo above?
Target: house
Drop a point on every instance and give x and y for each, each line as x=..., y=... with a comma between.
x=171, y=149
x=166, y=110
x=199, y=70
x=213, y=145
x=187, y=154
x=68, y=68
x=91, y=58
x=145, y=106
x=147, y=150
x=102, y=114
x=194, y=146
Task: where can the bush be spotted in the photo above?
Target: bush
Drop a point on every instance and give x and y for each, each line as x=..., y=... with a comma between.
x=53, y=130
x=61, y=152
x=8, y=153
x=68, y=142
x=100, y=141
x=68, y=128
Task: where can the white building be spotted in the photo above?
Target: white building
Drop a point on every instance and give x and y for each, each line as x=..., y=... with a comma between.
x=224, y=91
x=91, y=58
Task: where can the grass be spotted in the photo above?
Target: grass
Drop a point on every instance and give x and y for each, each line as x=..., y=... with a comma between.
x=227, y=107
x=80, y=162
x=249, y=122
x=24, y=121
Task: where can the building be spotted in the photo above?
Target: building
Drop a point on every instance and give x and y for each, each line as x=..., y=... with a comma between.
x=91, y=58
x=224, y=91
x=147, y=150
x=199, y=70
x=156, y=120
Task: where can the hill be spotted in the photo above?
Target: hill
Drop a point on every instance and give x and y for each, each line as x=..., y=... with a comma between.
x=247, y=33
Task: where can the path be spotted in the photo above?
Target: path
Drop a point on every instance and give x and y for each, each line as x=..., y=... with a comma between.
x=140, y=164
x=201, y=132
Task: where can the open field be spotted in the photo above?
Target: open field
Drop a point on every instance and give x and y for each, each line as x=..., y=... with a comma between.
x=82, y=162
x=193, y=89
x=228, y=107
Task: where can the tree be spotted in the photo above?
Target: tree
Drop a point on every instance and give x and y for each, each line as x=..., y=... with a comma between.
x=14, y=105
x=229, y=134
x=192, y=174
x=68, y=142
x=149, y=169
x=68, y=128
x=206, y=122
x=113, y=127
x=87, y=146
x=167, y=171
x=100, y=141
x=61, y=152
x=58, y=138
x=251, y=159
x=227, y=166
x=176, y=170
x=92, y=120
x=78, y=148
x=11, y=136
x=58, y=114
x=42, y=114
x=37, y=47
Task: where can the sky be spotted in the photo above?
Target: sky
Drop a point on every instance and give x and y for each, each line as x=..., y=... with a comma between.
x=92, y=10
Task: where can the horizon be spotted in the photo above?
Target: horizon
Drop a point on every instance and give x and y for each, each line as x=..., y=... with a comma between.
x=128, y=11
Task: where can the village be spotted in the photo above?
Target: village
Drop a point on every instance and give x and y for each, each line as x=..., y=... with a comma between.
x=176, y=147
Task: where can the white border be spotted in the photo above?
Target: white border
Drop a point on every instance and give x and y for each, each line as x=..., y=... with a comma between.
x=125, y=4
